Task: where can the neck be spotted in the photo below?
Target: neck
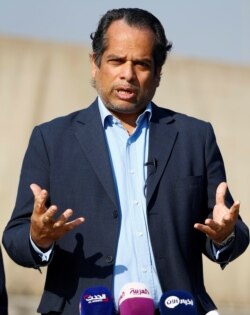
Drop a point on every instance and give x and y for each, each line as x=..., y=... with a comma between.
x=127, y=120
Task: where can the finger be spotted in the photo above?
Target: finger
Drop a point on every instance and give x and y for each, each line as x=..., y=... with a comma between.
x=35, y=189
x=235, y=209
x=232, y=215
x=49, y=214
x=63, y=218
x=40, y=200
x=220, y=193
x=211, y=234
x=213, y=225
x=202, y=228
x=206, y=229
x=71, y=225
x=40, y=196
x=233, y=212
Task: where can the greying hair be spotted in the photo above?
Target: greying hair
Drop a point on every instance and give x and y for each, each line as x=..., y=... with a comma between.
x=136, y=18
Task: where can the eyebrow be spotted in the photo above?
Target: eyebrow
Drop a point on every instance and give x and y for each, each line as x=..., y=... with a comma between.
x=117, y=57
x=111, y=56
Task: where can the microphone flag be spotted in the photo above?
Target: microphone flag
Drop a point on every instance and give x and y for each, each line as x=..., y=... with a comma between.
x=135, y=299
x=177, y=302
x=97, y=301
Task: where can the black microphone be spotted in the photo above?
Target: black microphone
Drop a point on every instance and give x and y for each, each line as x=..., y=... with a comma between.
x=97, y=301
x=151, y=163
x=177, y=302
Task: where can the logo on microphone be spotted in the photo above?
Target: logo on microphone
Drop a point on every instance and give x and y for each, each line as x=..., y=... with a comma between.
x=134, y=292
x=173, y=301
x=95, y=298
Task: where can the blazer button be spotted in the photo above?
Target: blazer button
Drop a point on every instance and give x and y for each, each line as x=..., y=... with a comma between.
x=109, y=259
x=115, y=214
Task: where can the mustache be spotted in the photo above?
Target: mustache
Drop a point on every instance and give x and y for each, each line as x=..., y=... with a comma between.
x=125, y=86
x=116, y=86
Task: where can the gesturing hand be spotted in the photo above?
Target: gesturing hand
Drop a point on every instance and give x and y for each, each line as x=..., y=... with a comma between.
x=44, y=229
x=224, y=219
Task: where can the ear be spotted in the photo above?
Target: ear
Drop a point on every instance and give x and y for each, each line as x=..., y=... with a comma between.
x=93, y=65
x=158, y=77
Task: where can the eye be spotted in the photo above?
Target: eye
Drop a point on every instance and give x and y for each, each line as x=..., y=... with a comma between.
x=143, y=65
x=115, y=61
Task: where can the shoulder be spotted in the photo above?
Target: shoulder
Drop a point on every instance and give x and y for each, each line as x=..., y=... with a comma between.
x=60, y=122
x=180, y=120
x=67, y=120
x=190, y=129
x=61, y=129
x=65, y=123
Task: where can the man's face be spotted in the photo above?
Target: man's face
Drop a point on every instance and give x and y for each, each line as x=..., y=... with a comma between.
x=126, y=79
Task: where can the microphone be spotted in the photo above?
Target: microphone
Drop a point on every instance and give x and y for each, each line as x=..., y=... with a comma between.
x=97, y=301
x=151, y=163
x=151, y=169
x=177, y=303
x=135, y=299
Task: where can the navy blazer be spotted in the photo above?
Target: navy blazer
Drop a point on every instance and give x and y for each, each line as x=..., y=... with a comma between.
x=3, y=291
x=69, y=157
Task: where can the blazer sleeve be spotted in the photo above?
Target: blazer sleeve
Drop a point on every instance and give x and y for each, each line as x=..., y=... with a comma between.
x=35, y=169
x=215, y=168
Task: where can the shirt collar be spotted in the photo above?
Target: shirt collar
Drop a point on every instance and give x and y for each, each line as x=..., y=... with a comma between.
x=107, y=115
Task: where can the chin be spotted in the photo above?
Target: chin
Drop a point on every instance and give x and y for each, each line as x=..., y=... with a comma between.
x=126, y=108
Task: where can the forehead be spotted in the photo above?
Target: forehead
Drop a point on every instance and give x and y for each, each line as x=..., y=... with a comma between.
x=120, y=36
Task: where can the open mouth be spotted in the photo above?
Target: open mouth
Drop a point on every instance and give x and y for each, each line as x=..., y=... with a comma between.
x=125, y=94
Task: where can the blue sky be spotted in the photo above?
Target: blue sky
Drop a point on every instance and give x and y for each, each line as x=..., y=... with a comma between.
x=217, y=30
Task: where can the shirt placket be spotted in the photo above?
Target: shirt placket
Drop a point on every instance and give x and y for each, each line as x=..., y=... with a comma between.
x=135, y=159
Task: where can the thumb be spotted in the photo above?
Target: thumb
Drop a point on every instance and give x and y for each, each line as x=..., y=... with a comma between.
x=35, y=189
x=220, y=193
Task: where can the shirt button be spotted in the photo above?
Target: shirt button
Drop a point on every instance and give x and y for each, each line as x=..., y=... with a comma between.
x=144, y=270
x=140, y=234
x=136, y=202
x=132, y=172
x=109, y=259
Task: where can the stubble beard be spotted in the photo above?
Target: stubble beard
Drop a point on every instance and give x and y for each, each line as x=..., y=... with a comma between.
x=133, y=108
x=114, y=107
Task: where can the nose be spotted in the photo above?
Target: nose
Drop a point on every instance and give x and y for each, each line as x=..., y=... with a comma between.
x=127, y=71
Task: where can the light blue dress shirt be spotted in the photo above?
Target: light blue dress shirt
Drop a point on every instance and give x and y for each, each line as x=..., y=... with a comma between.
x=128, y=155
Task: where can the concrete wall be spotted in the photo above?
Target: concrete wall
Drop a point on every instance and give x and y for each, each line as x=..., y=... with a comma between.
x=39, y=81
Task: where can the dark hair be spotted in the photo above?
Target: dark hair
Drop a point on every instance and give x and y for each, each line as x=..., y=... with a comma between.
x=133, y=17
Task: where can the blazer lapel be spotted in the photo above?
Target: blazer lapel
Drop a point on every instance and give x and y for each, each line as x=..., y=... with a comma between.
x=162, y=138
x=90, y=134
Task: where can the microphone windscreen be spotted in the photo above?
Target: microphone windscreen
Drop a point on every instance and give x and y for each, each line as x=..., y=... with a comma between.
x=135, y=299
x=177, y=303
x=97, y=301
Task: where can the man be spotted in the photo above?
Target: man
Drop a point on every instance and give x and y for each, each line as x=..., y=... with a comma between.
x=147, y=183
